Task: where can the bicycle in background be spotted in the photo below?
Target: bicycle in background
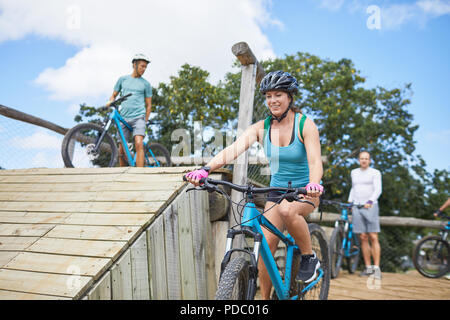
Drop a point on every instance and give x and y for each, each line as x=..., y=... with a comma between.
x=432, y=253
x=90, y=145
x=239, y=274
x=344, y=242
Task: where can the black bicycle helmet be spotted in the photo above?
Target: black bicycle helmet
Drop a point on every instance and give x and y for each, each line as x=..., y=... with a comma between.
x=279, y=80
x=282, y=81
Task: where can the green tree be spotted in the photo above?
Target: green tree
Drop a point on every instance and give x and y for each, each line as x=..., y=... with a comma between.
x=187, y=98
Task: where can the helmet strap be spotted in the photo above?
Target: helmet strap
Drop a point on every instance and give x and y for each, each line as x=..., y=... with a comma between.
x=284, y=113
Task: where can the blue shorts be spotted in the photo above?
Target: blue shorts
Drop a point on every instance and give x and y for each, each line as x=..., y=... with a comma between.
x=366, y=220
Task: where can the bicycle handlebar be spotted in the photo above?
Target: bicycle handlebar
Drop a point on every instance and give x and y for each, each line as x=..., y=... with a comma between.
x=211, y=184
x=120, y=100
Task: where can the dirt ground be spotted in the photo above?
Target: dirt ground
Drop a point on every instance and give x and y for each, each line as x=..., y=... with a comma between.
x=393, y=286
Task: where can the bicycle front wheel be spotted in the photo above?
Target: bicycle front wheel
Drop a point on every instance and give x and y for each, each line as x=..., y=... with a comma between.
x=81, y=147
x=353, y=260
x=156, y=155
x=336, y=250
x=319, y=244
x=431, y=256
x=234, y=281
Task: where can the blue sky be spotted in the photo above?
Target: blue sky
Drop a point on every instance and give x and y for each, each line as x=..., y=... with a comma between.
x=74, y=55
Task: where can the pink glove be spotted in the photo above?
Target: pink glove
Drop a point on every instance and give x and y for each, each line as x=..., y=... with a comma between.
x=197, y=174
x=311, y=186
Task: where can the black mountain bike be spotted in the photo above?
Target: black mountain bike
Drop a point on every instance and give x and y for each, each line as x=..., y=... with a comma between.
x=432, y=253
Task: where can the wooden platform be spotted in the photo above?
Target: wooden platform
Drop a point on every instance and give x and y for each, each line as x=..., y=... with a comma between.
x=62, y=229
x=393, y=286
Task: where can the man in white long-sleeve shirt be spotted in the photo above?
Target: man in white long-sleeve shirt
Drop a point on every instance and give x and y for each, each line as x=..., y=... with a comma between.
x=366, y=189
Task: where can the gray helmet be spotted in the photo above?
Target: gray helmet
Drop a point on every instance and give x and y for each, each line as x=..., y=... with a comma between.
x=279, y=80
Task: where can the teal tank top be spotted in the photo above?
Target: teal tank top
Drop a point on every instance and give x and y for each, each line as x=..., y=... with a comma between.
x=288, y=163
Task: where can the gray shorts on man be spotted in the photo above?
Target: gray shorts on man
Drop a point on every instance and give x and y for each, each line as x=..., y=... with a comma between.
x=366, y=220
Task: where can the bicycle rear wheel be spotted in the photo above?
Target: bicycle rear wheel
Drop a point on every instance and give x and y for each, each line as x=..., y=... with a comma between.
x=234, y=281
x=320, y=246
x=336, y=250
x=431, y=256
x=158, y=156
x=78, y=148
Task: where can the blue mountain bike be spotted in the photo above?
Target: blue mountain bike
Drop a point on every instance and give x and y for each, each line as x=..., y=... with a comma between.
x=240, y=272
x=90, y=145
x=343, y=241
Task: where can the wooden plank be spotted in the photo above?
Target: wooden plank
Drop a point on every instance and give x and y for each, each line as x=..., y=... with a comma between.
x=139, y=269
x=157, y=261
x=32, y=217
x=102, y=289
x=16, y=243
x=64, y=171
x=7, y=256
x=90, y=178
x=43, y=283
x=120, y=207
x=91, y=187
x=198, y=243
x=188, y=284
x=52, y=263
x=13, y=295
x=113, y=219
x=107, y=196
x=25, y=230
x=122, y=288
x=170, y=217
x=219, y=235
x=211, y=284
x=86, y=248
x=91, y=171
x=112, y=233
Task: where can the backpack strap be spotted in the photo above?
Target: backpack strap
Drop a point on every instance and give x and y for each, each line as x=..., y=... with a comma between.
x=266, y=126
x=301, y=125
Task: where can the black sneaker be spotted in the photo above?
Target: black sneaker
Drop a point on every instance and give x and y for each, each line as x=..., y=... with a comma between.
x=308, y=268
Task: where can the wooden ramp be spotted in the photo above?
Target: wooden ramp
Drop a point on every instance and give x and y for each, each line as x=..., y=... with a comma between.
x=109, y=233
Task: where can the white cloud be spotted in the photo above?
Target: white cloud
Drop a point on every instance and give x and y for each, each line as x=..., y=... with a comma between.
x=47, y=160
x=394, y=13
x=420, y=12
x=434, y=7
x=38, y=140
x=441, y=138
x=332, y=5
x=173, y=32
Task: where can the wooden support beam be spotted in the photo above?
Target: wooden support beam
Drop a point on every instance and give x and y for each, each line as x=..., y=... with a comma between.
x=21, y=116
x=248, y=85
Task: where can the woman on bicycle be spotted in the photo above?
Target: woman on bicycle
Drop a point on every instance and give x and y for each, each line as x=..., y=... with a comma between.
x=292, y=146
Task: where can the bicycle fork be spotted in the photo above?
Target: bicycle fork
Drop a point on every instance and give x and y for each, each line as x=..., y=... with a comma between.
x=253, y=268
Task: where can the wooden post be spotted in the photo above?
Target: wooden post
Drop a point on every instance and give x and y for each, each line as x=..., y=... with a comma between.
x=252, y=74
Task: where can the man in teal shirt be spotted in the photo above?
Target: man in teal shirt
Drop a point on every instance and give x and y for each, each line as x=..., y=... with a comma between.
x=136, y=109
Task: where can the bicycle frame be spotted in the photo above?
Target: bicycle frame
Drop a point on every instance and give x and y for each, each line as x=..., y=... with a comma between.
x=251, y=226
x=348, y=233
x=117, y=119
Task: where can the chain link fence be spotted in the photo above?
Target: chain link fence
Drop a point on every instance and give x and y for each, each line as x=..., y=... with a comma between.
x=24, y=145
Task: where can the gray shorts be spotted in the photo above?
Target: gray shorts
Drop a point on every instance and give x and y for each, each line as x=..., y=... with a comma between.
x=138, y=125
x=366, y=220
